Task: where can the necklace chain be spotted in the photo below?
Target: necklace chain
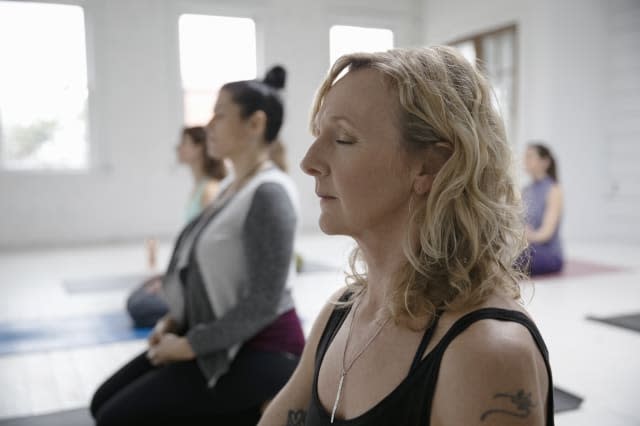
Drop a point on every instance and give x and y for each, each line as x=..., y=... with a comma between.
x=345, y=370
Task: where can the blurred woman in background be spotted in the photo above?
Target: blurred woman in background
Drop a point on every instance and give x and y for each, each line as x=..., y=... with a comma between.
x=146, y=304
x=207, y=171
x=543, y=202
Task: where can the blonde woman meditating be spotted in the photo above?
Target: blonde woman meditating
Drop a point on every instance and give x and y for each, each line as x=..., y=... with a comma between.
x=410, y=159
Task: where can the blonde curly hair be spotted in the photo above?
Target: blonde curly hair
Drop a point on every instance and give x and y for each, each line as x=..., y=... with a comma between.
x=464, y=238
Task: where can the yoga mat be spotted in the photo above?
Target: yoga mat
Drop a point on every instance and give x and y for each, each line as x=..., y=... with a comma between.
x=78, y=417
x=65, y=333
x=310, y=266
x=117, y=282
x=574, y=268
x=629, y=321
x=565, y=401
x=131, y=281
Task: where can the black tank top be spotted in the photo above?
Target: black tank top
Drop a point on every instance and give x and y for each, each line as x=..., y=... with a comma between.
x=410, y=403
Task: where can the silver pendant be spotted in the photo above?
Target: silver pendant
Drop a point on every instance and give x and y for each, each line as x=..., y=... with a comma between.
x=338, y=394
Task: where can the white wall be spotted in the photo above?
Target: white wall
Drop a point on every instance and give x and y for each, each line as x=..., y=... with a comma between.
x=565, y=93
x=135, y=188
x=578, y=67
x=622, y=114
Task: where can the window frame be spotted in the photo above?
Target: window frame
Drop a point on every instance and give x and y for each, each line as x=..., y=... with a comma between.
x=476, y=39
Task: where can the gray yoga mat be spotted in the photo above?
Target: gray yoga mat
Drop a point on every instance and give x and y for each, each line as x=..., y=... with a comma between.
x=77, y=417
x=131, y=281
x=109, y=283
x=311, y=266
x=628, y=321
x=564, y=401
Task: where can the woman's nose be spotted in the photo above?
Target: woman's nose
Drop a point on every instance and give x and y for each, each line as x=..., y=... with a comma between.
x=209, y=125
x=311, y=163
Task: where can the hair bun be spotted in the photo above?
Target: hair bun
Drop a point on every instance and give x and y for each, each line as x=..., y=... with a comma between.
x=275, y=77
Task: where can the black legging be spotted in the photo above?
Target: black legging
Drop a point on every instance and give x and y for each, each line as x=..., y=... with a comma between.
x=177, y=393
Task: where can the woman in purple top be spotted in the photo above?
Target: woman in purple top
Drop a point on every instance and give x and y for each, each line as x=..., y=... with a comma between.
x=543, y=201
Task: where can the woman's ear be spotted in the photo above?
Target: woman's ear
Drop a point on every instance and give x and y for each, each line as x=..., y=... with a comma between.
x=258, y=123
x=434, y=158
x=423, y=182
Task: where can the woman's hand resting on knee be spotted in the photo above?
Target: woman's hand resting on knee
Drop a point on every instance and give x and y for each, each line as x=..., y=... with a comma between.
x=165, y=346
x=170, y=348
x=164, y=325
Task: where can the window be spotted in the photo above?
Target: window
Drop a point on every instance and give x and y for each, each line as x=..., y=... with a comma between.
x=213, y=50
x=345, y=39
x=495, y=52
x=43, y=87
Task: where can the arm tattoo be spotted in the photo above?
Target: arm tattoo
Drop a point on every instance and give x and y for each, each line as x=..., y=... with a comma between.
x=296, y=418
x=520, y=399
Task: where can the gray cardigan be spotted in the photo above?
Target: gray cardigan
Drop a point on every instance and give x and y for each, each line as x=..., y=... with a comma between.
x=232, y=267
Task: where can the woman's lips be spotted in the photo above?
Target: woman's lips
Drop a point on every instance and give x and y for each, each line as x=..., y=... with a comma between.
x=326, y=197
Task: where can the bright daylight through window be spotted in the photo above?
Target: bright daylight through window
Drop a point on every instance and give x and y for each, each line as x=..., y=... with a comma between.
x=213, y=50
x=346, y=39
x=43, y=87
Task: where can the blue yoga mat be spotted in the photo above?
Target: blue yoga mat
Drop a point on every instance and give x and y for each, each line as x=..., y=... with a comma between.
x=66, y=333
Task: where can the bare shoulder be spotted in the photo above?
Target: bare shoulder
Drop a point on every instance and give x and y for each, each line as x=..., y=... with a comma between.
x=490, y=340
x=555, y=191
x=492, y=371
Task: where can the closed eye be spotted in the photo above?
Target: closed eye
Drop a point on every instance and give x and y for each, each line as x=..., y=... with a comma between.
x=344, y=142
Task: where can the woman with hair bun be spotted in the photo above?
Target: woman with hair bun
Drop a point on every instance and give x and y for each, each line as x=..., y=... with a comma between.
x=543, y=204
x=410, y=159
x=232, y=336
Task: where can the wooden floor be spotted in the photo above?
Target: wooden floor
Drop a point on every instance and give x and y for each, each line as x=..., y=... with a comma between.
x=598, y=362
